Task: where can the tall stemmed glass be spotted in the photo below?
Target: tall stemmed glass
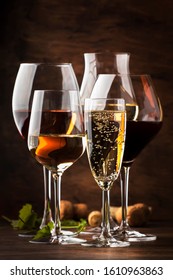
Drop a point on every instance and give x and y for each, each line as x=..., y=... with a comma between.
x=105, y=122
x=30, y=77
x=56, y=140
x=144, y=120
x=102, y=63
x=141, y=129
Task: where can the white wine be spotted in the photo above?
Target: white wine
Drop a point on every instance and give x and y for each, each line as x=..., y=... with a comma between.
x=105, y=145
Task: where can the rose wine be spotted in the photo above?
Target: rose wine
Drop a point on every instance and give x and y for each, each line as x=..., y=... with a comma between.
x=105, y=145
x=138, y=135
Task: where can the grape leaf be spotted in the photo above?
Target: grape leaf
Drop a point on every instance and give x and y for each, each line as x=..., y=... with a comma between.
x=27, y=219
x=44, y=232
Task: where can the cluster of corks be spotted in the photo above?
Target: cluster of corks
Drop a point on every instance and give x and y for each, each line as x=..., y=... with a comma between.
x=137, y=214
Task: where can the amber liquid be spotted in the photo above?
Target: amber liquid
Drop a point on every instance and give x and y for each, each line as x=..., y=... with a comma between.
x=138, y=135
x=59, y=143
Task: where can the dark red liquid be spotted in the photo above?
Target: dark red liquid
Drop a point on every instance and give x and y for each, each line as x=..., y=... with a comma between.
x=138, y=135
x=22, y=122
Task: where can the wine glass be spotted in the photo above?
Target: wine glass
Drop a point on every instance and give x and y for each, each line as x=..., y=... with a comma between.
x=56, y=141
x=144, y=121
x=30, y=77
x=100, y=63
x=140, y=131
x=105, y=122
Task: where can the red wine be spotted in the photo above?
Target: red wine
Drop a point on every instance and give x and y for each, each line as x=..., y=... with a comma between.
x=22, y=122
x=138, y=135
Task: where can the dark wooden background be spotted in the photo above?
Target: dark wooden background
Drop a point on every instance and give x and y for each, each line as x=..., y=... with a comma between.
x=61, y=31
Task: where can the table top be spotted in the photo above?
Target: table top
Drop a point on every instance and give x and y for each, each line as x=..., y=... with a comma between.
x=19, y=248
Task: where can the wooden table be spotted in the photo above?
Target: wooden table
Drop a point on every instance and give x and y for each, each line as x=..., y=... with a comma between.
x=17, y=248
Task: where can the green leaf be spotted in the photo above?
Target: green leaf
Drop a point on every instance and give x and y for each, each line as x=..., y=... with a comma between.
x=44, y=232
x=27, y=218
x=65, y=224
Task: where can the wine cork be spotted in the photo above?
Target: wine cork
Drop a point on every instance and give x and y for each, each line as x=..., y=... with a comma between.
x=95, y=218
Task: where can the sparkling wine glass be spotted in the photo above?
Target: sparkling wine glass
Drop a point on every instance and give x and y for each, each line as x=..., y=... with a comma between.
x=102, y=63
x=144, y=121
x=105, y=122
x=30, y=77
x=56, y=141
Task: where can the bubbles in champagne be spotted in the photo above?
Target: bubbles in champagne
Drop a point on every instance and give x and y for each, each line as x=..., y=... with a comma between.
x=105, y=139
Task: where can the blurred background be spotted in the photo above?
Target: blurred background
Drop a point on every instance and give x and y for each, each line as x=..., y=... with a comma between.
x=61, y=31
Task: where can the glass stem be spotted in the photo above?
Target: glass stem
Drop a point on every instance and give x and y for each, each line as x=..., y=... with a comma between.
x=57, y=199
x=105, y=231
x=47, y=215
x=124, y=182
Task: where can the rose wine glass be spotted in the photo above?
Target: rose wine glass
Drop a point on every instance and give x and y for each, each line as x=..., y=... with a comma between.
x=102, y=63
x=56, y=141
x=144, y=121
x=105, y=122
x=30, y=77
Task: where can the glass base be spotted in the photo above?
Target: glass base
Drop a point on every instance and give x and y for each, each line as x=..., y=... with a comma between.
x=107, y=242
x=28, y=234
x=94, y=230
x=58, y=240
x=134, y=236
x=67, y=237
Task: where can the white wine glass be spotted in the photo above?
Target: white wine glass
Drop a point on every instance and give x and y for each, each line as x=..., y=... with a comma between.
x=102, y=63
x=56, y=141
x=105, y=125
x=30, y=77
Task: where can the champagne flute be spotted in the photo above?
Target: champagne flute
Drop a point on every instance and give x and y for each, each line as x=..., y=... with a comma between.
x=144, y=121
x=100, y=63
x=105, y=122
x=56, y=141
x=30, y=77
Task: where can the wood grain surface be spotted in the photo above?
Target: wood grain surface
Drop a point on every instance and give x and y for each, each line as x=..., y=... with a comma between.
x=14, y=247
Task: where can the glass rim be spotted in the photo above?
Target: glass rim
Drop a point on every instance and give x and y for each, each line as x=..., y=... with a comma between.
x=47, y=63
x=57, y=90
x=118, y=100
x=108, y=52
x=131, y=75
x=102, y=98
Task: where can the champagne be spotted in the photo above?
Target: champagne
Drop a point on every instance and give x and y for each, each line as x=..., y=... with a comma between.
x=105, y=145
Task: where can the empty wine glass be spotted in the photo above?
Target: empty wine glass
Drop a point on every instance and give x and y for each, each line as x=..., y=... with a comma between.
x=56, y=141
x=30, y=77
x=105, y=123
x=102, y=63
